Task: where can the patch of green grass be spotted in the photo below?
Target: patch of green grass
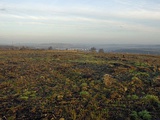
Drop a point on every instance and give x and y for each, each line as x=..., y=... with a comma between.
x=138, y=64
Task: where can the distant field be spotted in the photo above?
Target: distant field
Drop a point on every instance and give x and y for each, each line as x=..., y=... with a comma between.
x=73, y=85
x=148, y=51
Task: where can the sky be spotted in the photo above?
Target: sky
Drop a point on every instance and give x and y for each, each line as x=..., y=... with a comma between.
x=80, y=21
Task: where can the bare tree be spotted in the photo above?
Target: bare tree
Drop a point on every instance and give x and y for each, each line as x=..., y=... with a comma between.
x=50, y=48
x=93, y=49
x=101, y=51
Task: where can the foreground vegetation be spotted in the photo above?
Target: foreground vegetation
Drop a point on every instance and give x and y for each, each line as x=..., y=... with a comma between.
x=71, y=85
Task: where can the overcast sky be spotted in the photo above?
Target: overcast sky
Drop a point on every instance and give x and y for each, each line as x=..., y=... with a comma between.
x=80, y=21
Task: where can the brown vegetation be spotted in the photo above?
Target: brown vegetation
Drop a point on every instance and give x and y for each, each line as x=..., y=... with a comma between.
x=67, y=85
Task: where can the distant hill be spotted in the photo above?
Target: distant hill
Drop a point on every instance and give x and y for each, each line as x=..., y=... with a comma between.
x=118, y=48
x=155, y=50
x=7, y=47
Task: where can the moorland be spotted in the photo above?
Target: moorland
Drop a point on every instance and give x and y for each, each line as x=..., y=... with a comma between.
x=78, y=85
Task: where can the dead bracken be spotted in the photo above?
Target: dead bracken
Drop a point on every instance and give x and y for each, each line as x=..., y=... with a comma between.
x=64, y=85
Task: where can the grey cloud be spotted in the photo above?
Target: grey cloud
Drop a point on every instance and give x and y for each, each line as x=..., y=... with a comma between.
x=2, y=9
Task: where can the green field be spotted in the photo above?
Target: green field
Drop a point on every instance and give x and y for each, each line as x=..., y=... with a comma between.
x=75, y=85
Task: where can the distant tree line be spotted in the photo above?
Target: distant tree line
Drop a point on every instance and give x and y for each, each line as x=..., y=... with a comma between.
x=93, y=49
